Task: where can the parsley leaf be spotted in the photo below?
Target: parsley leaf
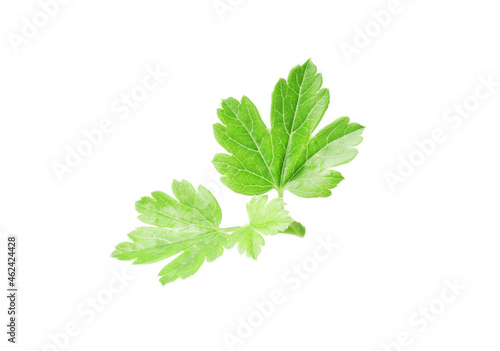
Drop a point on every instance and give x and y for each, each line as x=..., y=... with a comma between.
x=190, y=226
x=268, y=218
x=249, y=241
x=287, y=156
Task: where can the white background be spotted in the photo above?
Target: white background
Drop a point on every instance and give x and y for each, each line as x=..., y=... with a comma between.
x=397, y=248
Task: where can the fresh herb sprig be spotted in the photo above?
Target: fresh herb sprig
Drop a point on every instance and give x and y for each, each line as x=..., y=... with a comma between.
x=286, y=157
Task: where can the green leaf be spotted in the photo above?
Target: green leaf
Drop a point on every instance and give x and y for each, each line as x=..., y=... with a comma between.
x=188, y=226
x=269, y=218
x=287, y=156
x=331, y=147
x=249, y=241
x=297, y=108
x=266, y=218
x=247, y=138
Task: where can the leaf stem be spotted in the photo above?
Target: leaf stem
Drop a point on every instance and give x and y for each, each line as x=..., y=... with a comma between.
x=295, y=228
x=280, y=193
